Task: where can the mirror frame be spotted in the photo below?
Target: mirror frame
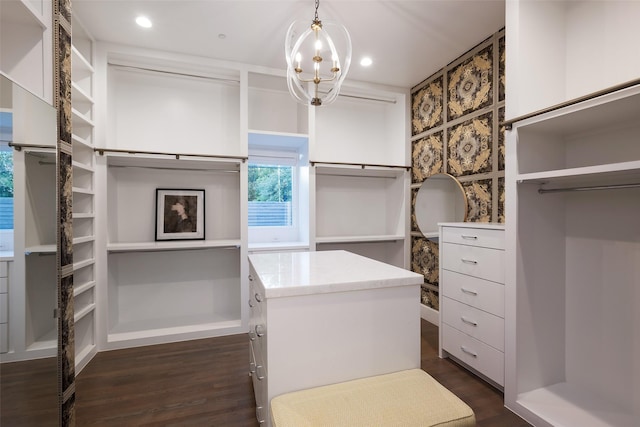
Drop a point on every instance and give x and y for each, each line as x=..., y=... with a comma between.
x=440, y=216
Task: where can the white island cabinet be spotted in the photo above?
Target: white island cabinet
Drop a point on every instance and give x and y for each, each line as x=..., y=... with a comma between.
x=320, y=318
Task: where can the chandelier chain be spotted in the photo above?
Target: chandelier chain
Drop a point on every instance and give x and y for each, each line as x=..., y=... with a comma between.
x=317, y=5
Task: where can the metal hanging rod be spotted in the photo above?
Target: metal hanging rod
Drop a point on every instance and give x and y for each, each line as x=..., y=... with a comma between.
x=175, y=169
x=198, y=76
x=368, y=98
x=362, y=165
x=588, y=188
x=19, y=146
x=101, y=151
x=508, y=124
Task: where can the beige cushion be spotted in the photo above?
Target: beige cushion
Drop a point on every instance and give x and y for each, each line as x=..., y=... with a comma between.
x=403, y=399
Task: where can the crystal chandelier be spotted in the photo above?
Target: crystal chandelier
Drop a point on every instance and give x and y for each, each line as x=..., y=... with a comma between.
x=316, y=62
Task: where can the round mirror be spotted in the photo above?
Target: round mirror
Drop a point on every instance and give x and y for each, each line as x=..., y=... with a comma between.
x=440, y=198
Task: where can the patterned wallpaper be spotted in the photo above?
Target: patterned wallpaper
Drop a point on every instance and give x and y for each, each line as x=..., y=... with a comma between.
x=455, y=129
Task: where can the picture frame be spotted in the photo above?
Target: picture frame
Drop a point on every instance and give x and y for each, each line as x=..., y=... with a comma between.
x=180, y=214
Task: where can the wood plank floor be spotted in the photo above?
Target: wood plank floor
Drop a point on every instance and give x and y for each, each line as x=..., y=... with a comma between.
x=194, y=383
x=29, y=393
x=205, y=383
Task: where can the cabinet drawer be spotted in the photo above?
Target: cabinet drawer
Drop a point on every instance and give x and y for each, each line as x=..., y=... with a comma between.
x=479, y=356
x=4, y=285
x=479, y=293
x=256, y=301
x=259, y=380
x=4, y=308
x=474, y=261
x=479, y=324
x=3, y=269
x=483, y=237
x=4, y=338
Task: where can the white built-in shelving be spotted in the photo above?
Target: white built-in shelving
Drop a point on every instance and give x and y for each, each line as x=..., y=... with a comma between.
x=83, y=215
x=574, y=192
x=572, y=203
x=159, y=302
x=362, y=209
x=359, y=179
x=26, y=45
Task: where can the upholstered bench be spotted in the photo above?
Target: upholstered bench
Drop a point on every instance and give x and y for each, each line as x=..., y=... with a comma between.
x=402, y=399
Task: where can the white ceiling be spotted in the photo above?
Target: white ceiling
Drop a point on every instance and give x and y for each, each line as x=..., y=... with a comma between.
x=407, y=40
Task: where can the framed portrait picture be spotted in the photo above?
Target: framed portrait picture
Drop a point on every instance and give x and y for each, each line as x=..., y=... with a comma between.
x=179, y=214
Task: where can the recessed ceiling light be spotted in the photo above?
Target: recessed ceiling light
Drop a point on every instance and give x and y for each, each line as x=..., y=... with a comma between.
x=144, y=22
x=366, y=61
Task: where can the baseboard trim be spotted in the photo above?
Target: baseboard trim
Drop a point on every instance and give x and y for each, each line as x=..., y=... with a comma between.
x=430, y=315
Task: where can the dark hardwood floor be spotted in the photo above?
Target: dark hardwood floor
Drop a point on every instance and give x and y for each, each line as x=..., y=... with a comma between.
x=29, y=393
x=205, y=383
x=201, y=383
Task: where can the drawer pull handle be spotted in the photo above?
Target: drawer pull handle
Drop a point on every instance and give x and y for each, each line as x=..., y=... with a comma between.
x=259, y=416
x=260, y=330
x=468, y=291
x=469, y=261
x=250, y=278
x=251, y=303
x=252, y=335
x=258, y=376
x=469, y=237
x=464, y=319
x=258, y=297
x=469, y=352
x=252, y=368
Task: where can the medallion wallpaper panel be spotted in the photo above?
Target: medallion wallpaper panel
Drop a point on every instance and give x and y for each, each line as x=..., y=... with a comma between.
x=455, y=126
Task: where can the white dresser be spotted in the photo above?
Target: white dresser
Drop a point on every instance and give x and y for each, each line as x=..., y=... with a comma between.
x=325, y=317
x=472, y=297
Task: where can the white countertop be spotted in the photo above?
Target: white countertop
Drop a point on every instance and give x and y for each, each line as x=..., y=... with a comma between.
x=285, y=274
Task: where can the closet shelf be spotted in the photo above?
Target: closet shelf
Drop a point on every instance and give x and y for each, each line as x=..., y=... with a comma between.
x=193, y=325
x=564, y=404
x=357, y=170
x=23, y=12
x=80, y=289
x=78, y=190
x=83, y=215
x=82, y=264
x=360, y=239
x=82, y=166
x=86, y=239
x=40, y=249
x=82, y=141
x=80, y=62
x=606, y=174
x=83, y=312
x=180, y=161
x=79, y=95
x=171, y=245
x=80, y=119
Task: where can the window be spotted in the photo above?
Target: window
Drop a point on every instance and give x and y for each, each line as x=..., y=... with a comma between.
x=276, y=163
x=270, y=190
x=6, y=172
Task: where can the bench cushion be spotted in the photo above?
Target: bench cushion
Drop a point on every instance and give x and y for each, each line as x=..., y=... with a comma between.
x=404, y=399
